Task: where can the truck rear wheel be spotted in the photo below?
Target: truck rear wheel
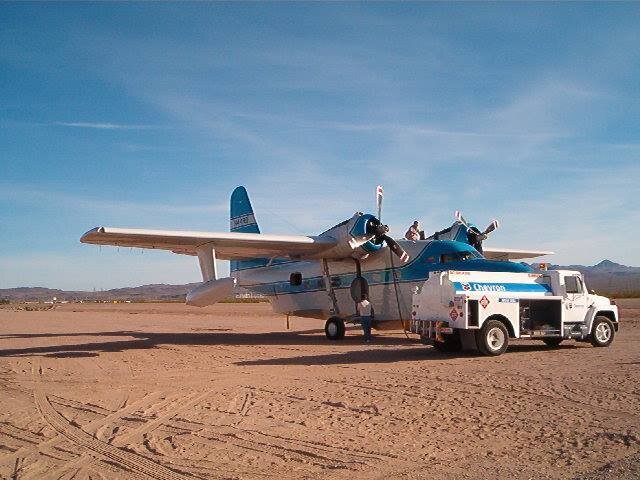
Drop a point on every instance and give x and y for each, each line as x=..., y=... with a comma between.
x=451, y=343
x=552, y=341
x=493, y=338
x=334, y=329
x=602, y=332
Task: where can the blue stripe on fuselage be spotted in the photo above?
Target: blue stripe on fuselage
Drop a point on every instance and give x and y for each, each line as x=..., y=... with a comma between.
x=417, y=270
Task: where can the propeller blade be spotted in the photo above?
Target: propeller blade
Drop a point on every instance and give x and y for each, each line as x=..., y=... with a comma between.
x=396, y=248
x=492, y=226
x=379, y=195
x=461, y=219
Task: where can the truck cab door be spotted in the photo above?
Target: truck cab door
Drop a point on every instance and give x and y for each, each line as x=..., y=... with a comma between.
x=575, y=305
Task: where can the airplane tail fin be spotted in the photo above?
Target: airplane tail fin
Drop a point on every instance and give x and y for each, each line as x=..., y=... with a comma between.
x=243, y=220
x=241, y=212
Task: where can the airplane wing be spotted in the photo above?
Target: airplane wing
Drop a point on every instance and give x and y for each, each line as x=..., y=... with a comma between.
x=511, y=253
x=228, y=245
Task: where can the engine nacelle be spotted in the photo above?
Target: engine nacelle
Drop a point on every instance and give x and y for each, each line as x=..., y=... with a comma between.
x=356, y=237
x=208, y=293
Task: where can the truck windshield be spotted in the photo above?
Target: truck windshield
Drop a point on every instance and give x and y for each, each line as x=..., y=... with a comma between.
x=458, y=256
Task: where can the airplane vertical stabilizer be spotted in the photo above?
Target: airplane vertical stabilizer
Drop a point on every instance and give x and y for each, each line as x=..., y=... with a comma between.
x=243, y=220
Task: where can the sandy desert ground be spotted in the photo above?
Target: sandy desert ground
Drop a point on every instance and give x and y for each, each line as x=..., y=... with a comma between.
x=168, y=391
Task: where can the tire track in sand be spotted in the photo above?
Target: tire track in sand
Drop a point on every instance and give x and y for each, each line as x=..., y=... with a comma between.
x=168, y=405
x=132, y=462
x=38, y=446
x=151, y=425
x=94, y=428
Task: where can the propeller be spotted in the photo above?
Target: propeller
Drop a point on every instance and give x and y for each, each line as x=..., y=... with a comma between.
x=474, y=235
x=380, y=231
x=379, y=195
x=492, y=226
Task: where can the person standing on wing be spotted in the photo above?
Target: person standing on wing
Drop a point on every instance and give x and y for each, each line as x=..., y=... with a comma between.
x=413, y=233
x=365, y=312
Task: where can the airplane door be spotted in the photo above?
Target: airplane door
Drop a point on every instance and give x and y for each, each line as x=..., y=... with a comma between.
x=575, y=308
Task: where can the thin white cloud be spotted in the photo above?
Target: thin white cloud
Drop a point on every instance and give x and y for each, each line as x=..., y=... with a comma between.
x=30, y=195
x=105, y=125
x=429, y=131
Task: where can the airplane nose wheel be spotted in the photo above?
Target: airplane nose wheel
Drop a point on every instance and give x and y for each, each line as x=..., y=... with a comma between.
x=334, y=328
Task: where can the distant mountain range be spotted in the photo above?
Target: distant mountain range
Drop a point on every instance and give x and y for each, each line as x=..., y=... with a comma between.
x=161, y=292
x=606, y=277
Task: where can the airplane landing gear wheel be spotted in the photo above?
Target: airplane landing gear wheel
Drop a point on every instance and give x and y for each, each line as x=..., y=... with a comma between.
x=334, y=328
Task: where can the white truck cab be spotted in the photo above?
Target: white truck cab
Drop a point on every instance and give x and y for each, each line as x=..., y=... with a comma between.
x=483, y=310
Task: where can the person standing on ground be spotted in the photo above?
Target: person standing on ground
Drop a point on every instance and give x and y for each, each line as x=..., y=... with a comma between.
x=365, y=312
x=413, y=233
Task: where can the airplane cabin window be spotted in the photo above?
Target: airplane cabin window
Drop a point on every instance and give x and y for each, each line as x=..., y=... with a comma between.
x=447, y=258
x=457, y=257
x=571, y=284
x=295, y=279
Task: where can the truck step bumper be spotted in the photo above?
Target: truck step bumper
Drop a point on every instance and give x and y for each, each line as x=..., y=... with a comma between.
x=431, y=329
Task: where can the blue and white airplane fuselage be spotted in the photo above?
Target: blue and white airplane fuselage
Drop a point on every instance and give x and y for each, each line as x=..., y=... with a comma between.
x=391, y=284
x=321, y=276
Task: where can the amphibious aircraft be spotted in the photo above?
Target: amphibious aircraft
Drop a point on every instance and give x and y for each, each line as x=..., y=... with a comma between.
x=323, y=276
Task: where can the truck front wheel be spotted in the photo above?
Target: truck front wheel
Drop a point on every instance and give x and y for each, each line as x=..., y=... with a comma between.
x=493, y=338
x=602, y=332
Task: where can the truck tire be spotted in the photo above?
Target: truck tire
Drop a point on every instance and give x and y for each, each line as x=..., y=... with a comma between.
x=493, y=338
x=552, y=341
x=334, y=328
x=452, y=343
x=602, y=332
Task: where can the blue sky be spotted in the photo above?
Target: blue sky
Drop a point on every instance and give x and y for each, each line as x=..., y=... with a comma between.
x=148, y=115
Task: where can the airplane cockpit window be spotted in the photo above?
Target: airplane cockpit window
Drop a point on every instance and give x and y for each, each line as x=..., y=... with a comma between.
x=447, y=258
x=458, y=256
x=468, y=255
